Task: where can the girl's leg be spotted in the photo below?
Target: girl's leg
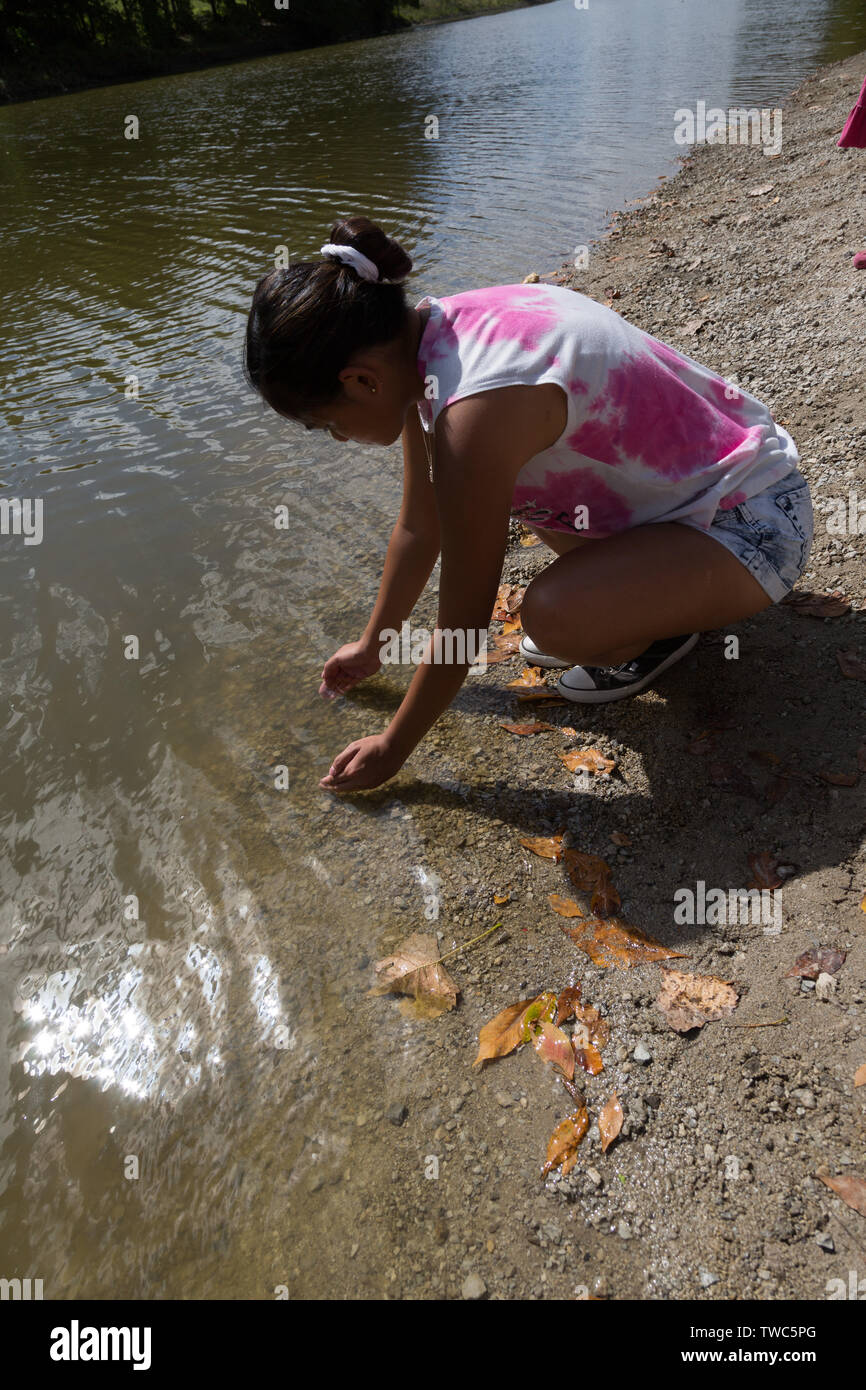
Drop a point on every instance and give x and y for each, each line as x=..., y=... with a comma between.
x=603, y=603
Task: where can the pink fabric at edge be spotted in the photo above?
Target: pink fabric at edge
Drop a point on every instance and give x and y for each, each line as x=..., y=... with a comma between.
x=854, y=134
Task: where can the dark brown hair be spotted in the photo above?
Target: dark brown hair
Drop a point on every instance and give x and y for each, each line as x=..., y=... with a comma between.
x=306, y=321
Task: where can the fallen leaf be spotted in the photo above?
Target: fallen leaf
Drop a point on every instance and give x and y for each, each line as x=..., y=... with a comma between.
x=610, y=1122
x=817, y=960
x=618, y=838
x=840, y=779
x=563, y=1142
x=543, y=697
x=589, y=1058
x=691, y=329
x=860, y=1076
x=547, y=847
x=851, y=1188
x=524, y=730
x=500, y=898
x=530, y=677
x=512, y=625
x=851, y=664
x=588, y=760
x=690, y=1001
x=508, y=600
x=566, y=1003
x=586, y=871
x=491, y=656
x=611, y=941
x=765, y=871
x=564, y=906
x=507, y=641
x=504, y=1032
x=574, y=1091
x=605, y=900
x=552, y=1045
x=595, y=1029
x=815, y=605
x=530, y=540
x=761, y=190
x=414, y=970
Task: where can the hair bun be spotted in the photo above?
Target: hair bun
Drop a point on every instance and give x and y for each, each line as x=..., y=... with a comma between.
x=388, y=256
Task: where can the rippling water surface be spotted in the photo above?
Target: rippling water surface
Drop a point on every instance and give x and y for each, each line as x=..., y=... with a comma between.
x=178, y=936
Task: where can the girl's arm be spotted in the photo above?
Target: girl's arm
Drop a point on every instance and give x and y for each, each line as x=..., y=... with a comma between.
x=414, y=544
x=482, y=443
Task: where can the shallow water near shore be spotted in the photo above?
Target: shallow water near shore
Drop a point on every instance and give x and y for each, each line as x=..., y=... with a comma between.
x=186, y=944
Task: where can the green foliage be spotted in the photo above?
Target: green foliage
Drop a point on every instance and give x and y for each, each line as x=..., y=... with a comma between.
x=46, y=27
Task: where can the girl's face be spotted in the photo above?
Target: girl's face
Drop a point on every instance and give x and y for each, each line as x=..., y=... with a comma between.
x=368, y=411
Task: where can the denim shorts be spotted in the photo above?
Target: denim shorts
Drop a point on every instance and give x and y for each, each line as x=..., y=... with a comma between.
x=771, y=533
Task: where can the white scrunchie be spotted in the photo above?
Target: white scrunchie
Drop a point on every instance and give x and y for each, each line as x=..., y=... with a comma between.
x=350, y=256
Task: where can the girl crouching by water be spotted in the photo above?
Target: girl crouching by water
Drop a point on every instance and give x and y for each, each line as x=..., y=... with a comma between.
x=671, y=498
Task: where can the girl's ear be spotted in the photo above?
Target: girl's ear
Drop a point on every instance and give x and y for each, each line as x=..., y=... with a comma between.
x=359, y=383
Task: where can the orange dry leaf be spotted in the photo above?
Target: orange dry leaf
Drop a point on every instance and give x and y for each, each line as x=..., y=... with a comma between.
x=840, y=779
x=591, y=1027
x=511, y=625
x=530, y=678
x=491, y=657
x=566, y=1003
x=589, y=1058
x=610, y=1122
x=605, y=900
x=414, y=970
x=552, y=1045
x=563, y=1142
x=530, y=540
x=851, y=664
x=514, y=1025
x=508, y=600
x=548, y=848
x=851, y=1188
x=524, y=729
x=501, y=898
x=613, y=941
x=588, y=760
x=586, y=871
x=860, y=1076
x=502, y=1034
x=545, y=693
x=817, y=960
x=690, y=1001
x=765, y=873
x=564, y=906
x=507, y=641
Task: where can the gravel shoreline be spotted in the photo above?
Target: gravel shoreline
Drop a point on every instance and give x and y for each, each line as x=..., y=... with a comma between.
x=711, y=1191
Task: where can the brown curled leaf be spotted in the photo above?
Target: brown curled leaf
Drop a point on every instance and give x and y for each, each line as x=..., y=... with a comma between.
x=610, y=1122
x=563, y=1143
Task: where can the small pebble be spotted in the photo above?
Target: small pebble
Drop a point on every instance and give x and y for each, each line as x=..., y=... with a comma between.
x=474, y=1287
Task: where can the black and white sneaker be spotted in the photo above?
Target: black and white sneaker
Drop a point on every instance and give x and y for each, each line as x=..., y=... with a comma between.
x=536, y=657
x=594, y=685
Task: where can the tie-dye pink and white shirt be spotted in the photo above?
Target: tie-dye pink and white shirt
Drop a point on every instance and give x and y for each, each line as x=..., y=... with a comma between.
x=651, y=435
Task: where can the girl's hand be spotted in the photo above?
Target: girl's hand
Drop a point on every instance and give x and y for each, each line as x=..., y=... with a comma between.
x=366, y=763
x=346, y=667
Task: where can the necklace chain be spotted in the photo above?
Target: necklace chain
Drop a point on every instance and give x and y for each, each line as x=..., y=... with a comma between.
x=428, y=447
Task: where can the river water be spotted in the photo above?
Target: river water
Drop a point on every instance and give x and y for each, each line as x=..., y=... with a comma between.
x=184, y=941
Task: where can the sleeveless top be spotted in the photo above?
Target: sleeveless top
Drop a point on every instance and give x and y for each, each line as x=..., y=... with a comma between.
x=651, y=435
